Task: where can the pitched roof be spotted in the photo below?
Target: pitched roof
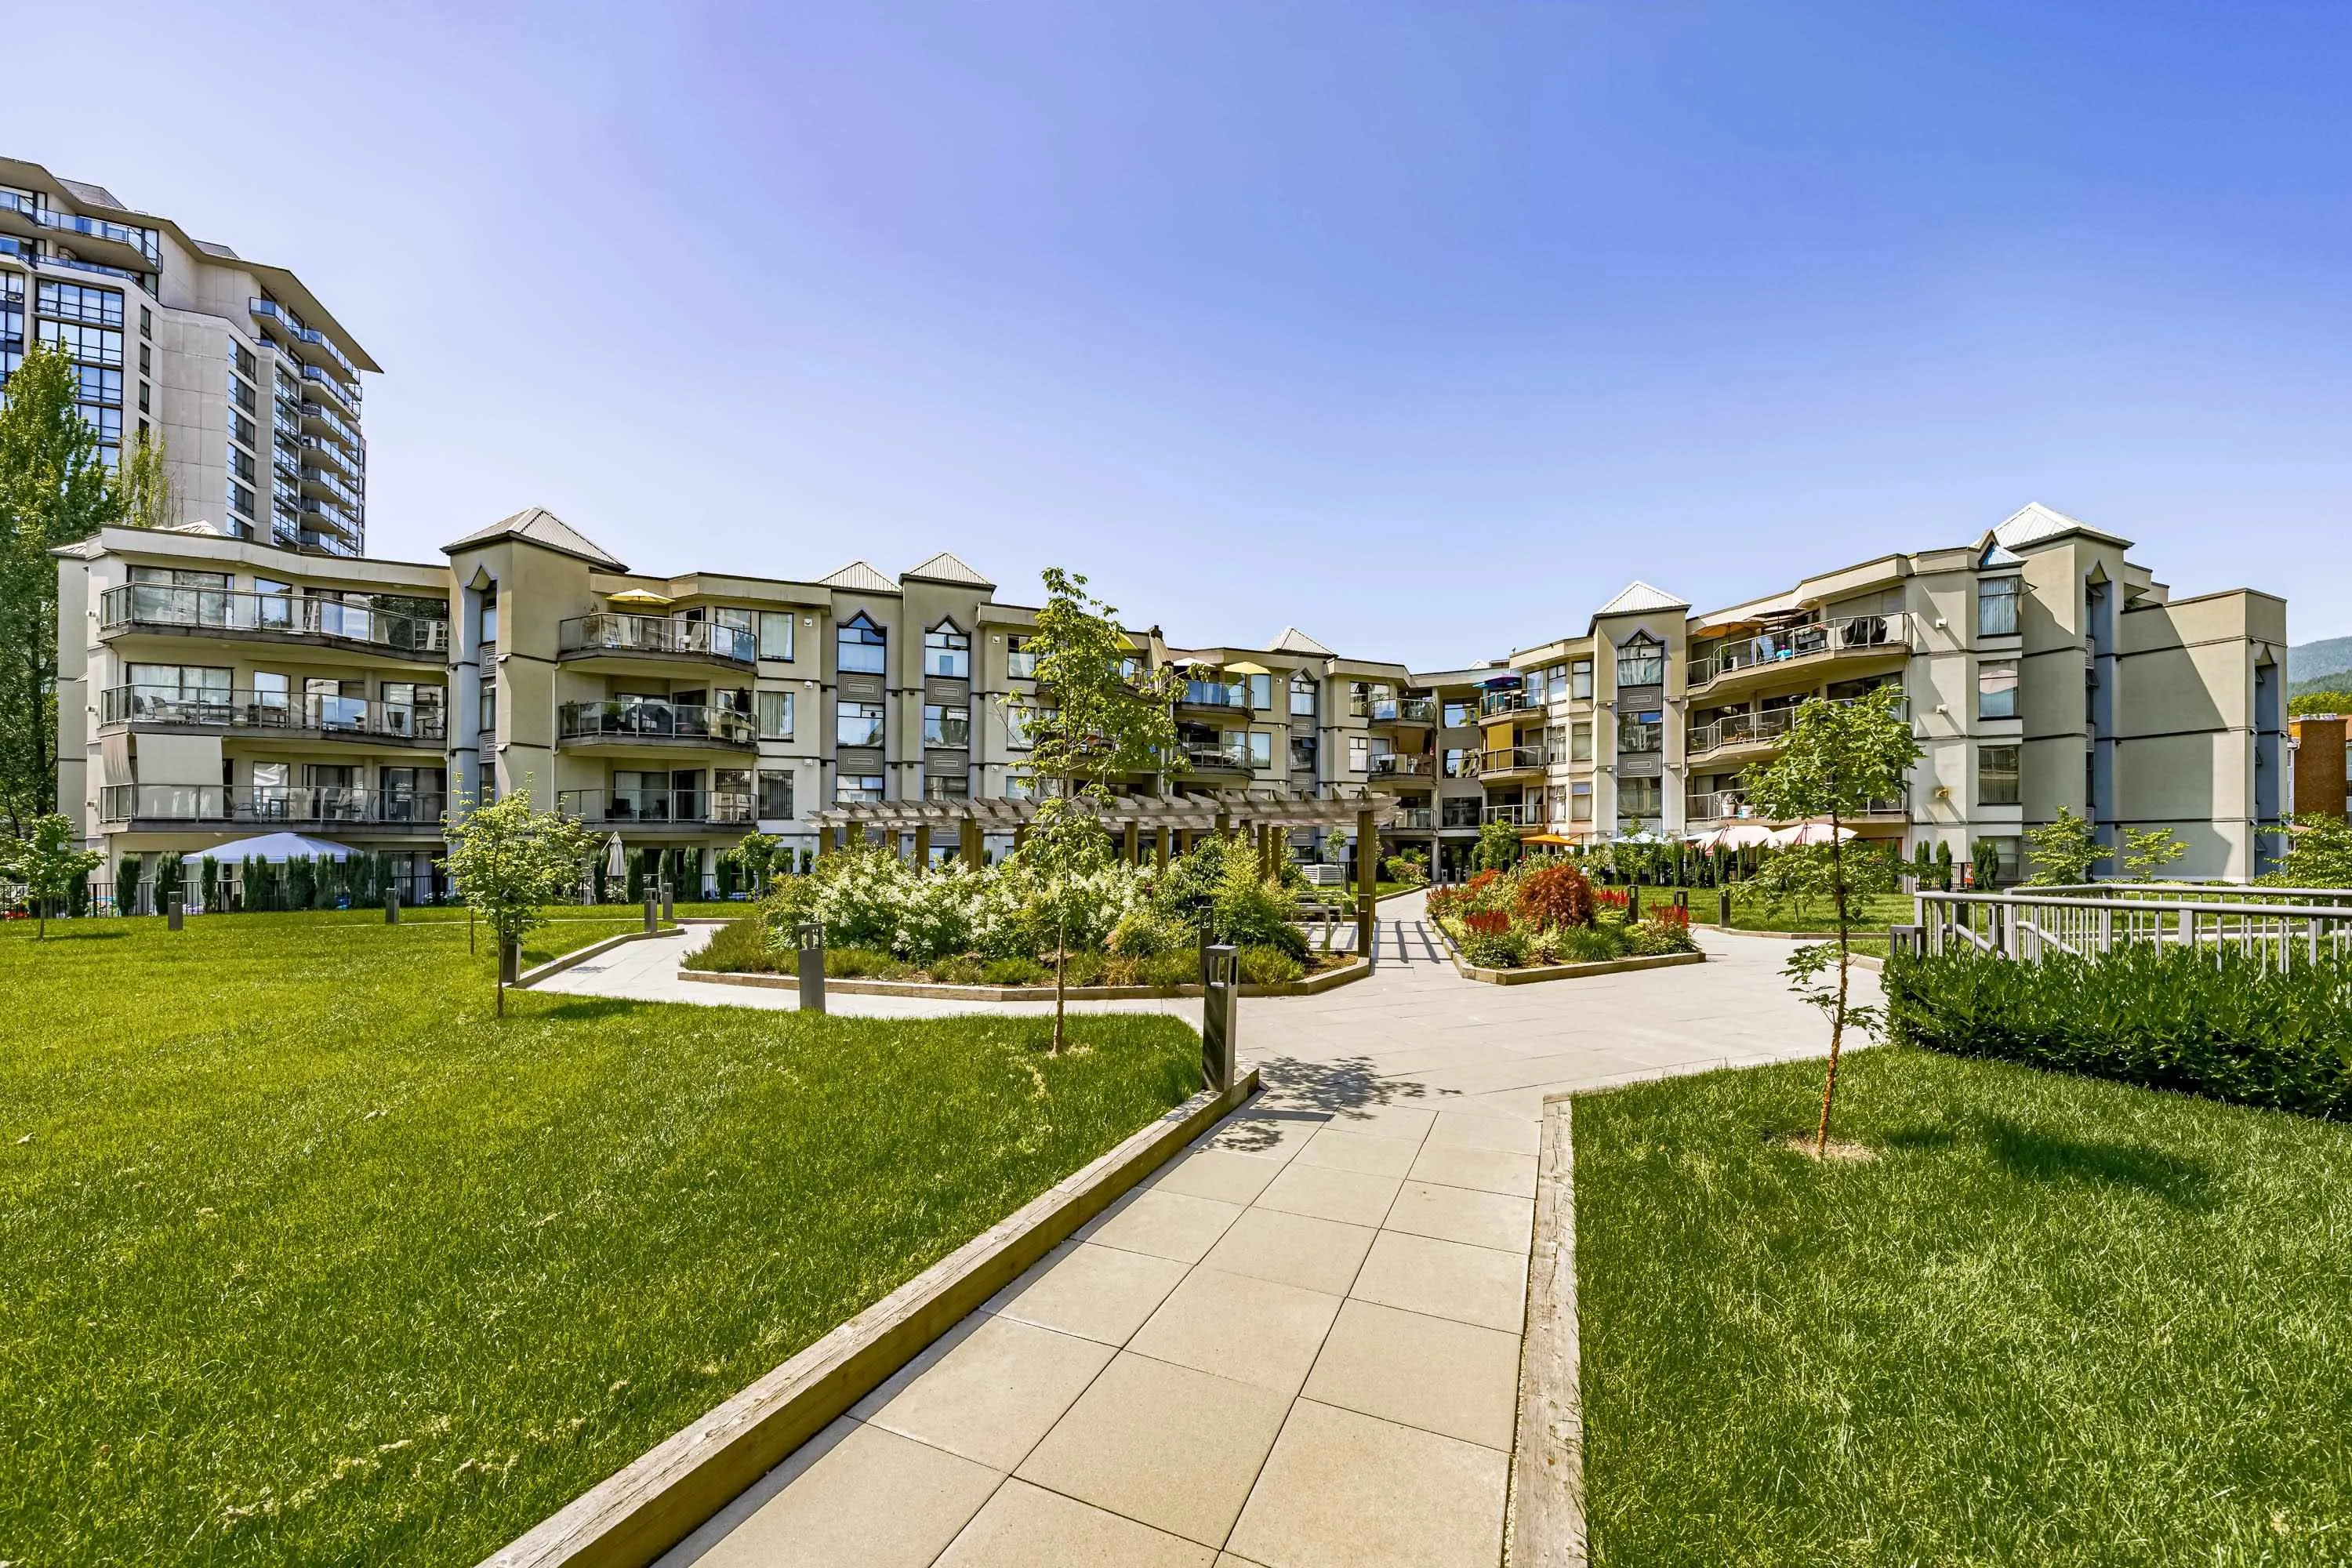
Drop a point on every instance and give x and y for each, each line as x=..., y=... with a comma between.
x=945, y=568
x=2033, y=524
x=1637, y=596
x=537, y=525
x=1293, y=640
x=859, y=578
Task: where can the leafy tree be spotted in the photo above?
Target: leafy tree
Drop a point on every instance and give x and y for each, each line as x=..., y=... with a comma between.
x=147, y=497
x=759, y=855
x=49, y=863
x=54, y=489
x=1099, y=724
x=1836, y=759
x=1497, y=847
x=2063, y=851
x=2318, y=853
x=2305, y=704
x=1984, y=864
x=1944, y=865
x=509, y=859
x=2147, y=850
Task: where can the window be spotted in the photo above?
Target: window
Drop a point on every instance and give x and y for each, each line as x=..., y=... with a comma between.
x=775, y=711
x=1302, y=696
x=1996, y=776
x=1302, y=753
x=1018, y=718
x=1642, y=662
x=1580, y=679
x=1641, y=732
x=946, y=789
x=857, y=787
x=91, y=345
x=946, y=725
x=1260, y=748
x=1359, y=699
x=1556, y=743
x=730, y=631
x=489, y=704
x=862, y=646
x=1261, y=693
x=76, y=302
x=1640, y=798
x=947, y=651
x=1019, y=662
x=1997, y=606
x=1461, y=762
x=240, y=499
x=239, y=393
x=181, y=681
x=858, y=724
x=775, y=796
x=1456, y=714
x=242, y=357
x=1559, y=804
x=489, y=619
x=1997, y=689
x=1579, y=741
x=1359, y=754
x=1459, y=812
x=146, y=322
x=776, y=638
x=1579, y=801
x=98, y=385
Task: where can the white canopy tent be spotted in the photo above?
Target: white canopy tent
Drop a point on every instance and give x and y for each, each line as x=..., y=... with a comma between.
x=275, y=847
x=1808, y=833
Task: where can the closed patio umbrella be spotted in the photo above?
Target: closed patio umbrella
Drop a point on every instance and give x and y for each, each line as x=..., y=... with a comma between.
x=616, y=864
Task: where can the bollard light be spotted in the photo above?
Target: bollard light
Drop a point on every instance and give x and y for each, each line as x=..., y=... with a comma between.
x=1221, y=994
x=809, y=937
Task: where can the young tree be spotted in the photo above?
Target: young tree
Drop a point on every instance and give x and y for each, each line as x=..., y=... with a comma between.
x=1097, y=723
x=756, y=857
x=1984, y=865
x=49, y=863
x=508, y=860
x=2318, y=853
x=1943, y=865
x=1836, y=759
x=54, y=489
x=148, y=498
x=2063, y=851
x=1498, y=848
x=2147, y=850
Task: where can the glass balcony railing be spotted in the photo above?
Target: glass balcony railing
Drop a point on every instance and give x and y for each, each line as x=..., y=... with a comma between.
x=270, y=804
x=331, y=420
x=413, y=724
x=1413, y=819
x=1808, y=640
x=1403, y=765
x=163, y=606
x=610, y=632
x=1512, y=759
x=1402, y=710
x=1216, y=694
x=1495, y=702
x=654, y=721
x=1756, y=728
x=348, y=396
x=1217, y=758
x=1522, y=813
x=637, y=808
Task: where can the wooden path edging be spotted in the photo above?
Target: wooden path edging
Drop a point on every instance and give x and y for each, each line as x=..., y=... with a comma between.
x=634, y=1515
x=1319, y=984
x=1547, y=1526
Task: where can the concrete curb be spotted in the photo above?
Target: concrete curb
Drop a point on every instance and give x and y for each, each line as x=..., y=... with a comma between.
x=632, y=1517
x=1547, y=1525
x=1341, y=977
x=1559, y=971
x=554, y=966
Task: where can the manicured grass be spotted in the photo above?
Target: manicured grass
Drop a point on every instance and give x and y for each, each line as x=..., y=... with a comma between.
x=305, y=1258
x=1872, y=915
x=2055, y=1321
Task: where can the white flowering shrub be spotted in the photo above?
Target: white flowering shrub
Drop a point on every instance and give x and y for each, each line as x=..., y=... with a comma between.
x=871, y=899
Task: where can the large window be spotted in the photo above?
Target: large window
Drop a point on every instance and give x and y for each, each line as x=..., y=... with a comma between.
x=1579, y=740
x=1579, y=801
x=775, y=709
x=1020, y=663
x=1302, y=751
x=1260, y=748
x=1457, y=714
x=775, y=634
x=1996, y=776
x=1461, y=763
x=1642, y=731
x=1018, y=719
x=858, y=724
x=946, y=725
x=1261, y=693
x=1302, y=696
x=855, y=788
x=863, y=647
x=91, y=345
x=1580, y=679
x=1997, y=689
x=77, y=302
x=1642, y=662
x=947, y=651
x=775, y=796
x=1640, y=798
x=1997, y=606
x=1359, y=754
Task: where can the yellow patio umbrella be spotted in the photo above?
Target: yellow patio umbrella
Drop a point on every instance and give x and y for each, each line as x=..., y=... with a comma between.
x=1547, y=838
x=637, y=596
x=1247, y=667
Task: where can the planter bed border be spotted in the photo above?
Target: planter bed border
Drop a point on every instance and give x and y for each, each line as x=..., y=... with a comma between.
x=1312, y=986
x=1535, y=972
x=632, y=1517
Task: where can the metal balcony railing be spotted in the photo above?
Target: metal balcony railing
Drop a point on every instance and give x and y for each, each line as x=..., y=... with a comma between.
x=1526, y=814
x=412, y=723
x=1512, y=759
x=611, y=632
x=1495, y=702
x=1218, y=757
x=1413, y=819
x=163, y=607
x=1753, y=728
x=1811, y=639
x=1403, y=765
x=654, y=720
x=269, y=804
x=640, y=807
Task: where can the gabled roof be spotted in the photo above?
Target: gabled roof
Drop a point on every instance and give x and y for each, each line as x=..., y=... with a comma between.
x=537, y=525
x=2033, y=523
x=858, y=577
x=1638, y=597
x=945, y=568
x=1293, y=640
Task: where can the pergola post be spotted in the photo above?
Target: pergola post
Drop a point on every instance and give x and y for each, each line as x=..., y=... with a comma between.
x=1368, y=876
x=1132, y=850
x=973, y=852
x=1265, y=850
x=1020, y=835
x=1224, y=824
x=1160, y=840
x=923, y=847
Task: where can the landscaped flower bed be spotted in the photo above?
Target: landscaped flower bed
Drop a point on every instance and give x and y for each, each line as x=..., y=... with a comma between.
x=953, y=925
x=1543, y=912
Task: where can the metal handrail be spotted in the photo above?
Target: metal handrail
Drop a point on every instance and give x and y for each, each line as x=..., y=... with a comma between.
x=1806, y=640
x=2027, y=927
x=267, y=804
x=171, y=606
x=653, y=719
x=623, y=806
x=238, y=708
x=611, y=631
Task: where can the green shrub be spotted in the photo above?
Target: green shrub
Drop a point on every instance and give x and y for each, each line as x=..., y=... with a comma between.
x=1507, y=951
x=1169, y=969
x=1081, y=969
x=1013, y=971
x=1270, y=966
x=1657, y=937
x=863, y=963
x=1146, y=933
x=1249, y=912
x=2218, y=1023
x=963, y=969
x=739, y=947
x=1594, y=943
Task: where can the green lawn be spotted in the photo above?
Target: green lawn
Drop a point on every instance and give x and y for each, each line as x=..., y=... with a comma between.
x=2056, y=1320
x=303, y=1257
x=1873, y=916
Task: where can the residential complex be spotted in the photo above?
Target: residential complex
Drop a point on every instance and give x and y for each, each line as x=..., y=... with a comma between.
x=214, y=686
x=249, y=382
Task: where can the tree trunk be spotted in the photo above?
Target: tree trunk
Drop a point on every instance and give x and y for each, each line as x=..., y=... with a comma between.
x=502, y=990
x=1061, y=969
x=1837, y=1018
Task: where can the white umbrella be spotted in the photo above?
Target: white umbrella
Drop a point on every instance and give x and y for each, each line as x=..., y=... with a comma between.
x=275, y=847
x=1736, y=836
x=614, y=864
x=1808, y=833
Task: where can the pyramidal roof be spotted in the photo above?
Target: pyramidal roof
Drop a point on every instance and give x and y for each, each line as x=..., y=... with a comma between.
x=2034, y=523
x=1293, y=640
x=542, y=527
x=945, y=568
x=1638, y=596
x=859, y=577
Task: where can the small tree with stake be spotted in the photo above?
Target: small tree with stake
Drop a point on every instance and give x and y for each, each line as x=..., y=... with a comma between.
x=2063, y=850
x=1096, y=723
x=1836, y=759
x=508, y=860
x=49, y=863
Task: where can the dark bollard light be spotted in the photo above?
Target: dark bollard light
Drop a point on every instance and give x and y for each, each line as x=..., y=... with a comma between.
x=1221, y=994
x=809, y=937
x=1723, y=907
x=509, y=962
x=391, y=906
x=669, y=909
x=1205, y=950
x=1633, y=900
x=1682, y=899
x=653, y=911
x=174, y=907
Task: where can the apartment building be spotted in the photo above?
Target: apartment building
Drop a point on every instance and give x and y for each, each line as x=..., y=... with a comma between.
x=248, y=381
x=214, y=685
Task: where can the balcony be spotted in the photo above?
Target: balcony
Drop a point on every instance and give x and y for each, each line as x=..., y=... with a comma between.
x=1205, y=758
x=1525, y=813
x=1740, y=733
x=333, y=486
x=272, y=806
x=1233, y=696
x=1853, y=637
x=652, y=722
x=346, y=398
x=1413, y=819
x=329, y=515
x=1402, y=710
x=166, y=610
x=330, y=422
x=1501, y=762
x=658, y=807
x=293, y=714
x=1498, y=702
x=610, y=634
x=1404, y=767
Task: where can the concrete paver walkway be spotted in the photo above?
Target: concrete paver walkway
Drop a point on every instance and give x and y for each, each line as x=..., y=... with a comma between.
x=1297, y=1345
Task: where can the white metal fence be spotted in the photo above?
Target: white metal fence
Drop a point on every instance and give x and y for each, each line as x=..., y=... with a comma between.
x=2283, y=926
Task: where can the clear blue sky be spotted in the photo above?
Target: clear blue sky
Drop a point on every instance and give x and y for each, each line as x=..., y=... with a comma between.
x=1425, y=327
